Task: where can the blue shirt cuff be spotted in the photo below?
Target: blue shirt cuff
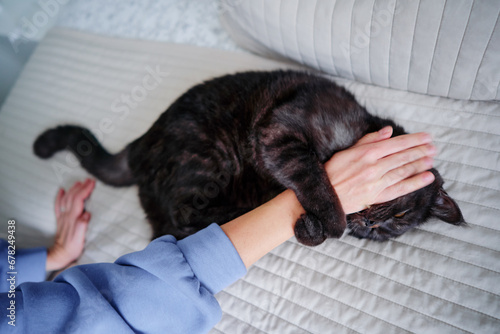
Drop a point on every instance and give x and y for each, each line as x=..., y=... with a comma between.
x=30, y=265
x=213, y=258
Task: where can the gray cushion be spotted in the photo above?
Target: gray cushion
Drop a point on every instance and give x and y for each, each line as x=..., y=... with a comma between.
x=449, y=49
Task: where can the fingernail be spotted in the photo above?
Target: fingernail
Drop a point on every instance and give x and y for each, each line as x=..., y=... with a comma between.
x=428, y=177
x=427, y=138
x=431, y=150
x=384, y=131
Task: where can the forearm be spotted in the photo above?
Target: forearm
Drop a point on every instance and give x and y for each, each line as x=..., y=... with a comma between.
x=264, y=228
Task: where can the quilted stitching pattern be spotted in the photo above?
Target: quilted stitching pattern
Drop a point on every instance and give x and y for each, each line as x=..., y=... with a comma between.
x=444, y=48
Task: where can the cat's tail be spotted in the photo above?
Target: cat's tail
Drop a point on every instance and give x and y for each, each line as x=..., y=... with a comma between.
x=112, y=169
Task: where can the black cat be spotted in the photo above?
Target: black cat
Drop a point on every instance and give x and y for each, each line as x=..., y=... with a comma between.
x=234, y=142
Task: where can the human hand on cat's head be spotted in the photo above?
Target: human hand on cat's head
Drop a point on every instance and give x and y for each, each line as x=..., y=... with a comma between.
x=379, y=169
x=72, y=222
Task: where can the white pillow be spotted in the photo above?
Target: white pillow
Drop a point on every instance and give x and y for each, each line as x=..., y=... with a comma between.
x=437, y=47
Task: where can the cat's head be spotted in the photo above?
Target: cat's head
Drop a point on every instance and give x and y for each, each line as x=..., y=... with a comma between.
x=391, y=219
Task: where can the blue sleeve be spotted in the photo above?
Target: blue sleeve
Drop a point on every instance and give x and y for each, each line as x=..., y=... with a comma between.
x=29, y=265
x=168, y=287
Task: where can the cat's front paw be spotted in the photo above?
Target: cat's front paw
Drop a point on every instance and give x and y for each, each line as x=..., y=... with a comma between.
x=309, y=230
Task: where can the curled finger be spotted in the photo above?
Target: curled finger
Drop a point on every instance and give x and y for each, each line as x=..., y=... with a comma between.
x=82, y=225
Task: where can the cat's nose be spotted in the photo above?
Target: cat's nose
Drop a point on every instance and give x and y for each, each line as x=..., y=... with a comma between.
x=370, y=224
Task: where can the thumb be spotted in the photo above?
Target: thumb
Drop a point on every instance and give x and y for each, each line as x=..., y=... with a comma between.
x=85, y=217
x=82, y=225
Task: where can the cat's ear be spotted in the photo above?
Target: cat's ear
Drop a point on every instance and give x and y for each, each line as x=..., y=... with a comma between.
x=446, y=209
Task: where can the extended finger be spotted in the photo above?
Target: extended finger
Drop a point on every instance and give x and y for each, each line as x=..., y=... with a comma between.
x=79, y=197
x=396, y=144
x=403, y=172
x=87, y=190
x=73, y=205
x=68, y=198
x=58, y=203
x=374, y=137
x=405, y=157
x=406, y=186
x=84, y=191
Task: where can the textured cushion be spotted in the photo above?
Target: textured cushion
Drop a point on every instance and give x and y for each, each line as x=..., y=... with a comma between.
x=437, y=47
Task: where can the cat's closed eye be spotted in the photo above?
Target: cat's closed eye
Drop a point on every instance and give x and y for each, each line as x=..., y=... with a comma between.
x=401, y=214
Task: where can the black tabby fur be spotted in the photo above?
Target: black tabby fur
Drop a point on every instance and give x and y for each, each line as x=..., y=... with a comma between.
x=232, y=143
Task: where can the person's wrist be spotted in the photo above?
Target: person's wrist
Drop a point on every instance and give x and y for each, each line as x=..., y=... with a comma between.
x=259, y=231
x=290, y=205
x=55, y=260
